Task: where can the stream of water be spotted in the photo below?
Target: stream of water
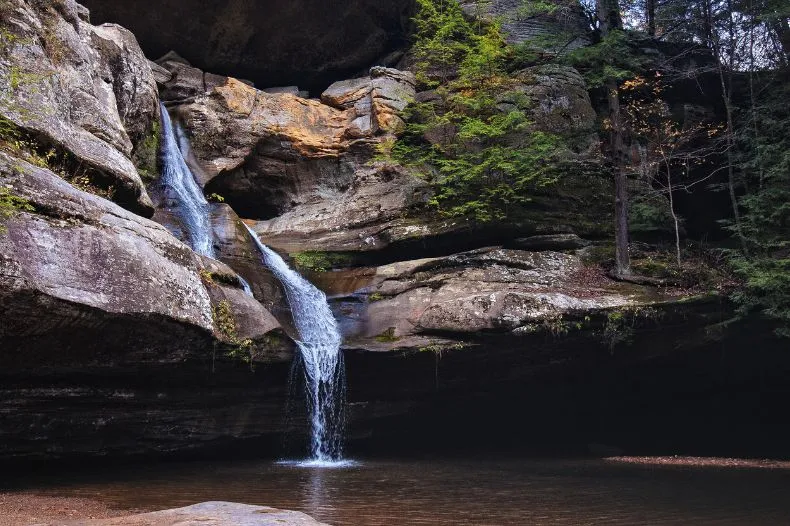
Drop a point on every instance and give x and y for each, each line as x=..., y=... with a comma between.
x=319, y=346
x=181, y=188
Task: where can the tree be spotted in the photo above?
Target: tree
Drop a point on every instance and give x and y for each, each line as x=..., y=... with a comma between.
x=472, y=140
x=609, y=22
x=670, y=147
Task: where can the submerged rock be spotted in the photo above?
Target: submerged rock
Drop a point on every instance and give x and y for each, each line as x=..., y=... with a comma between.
x=211, y=514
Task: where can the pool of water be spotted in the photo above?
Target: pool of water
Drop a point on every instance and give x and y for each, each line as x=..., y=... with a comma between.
x=450, y=492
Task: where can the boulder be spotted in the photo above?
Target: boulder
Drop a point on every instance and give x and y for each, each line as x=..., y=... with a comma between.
x=82, y=275
x=84, y=90
x=210, y=514
x=420, y=303
x=561, y=103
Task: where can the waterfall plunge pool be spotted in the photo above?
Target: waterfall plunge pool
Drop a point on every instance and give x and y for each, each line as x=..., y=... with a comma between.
x=500, y=491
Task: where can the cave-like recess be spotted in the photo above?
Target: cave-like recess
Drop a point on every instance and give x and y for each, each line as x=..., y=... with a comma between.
x=309, y=43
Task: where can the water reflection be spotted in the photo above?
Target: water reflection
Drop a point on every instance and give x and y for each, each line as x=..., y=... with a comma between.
x=456, y=492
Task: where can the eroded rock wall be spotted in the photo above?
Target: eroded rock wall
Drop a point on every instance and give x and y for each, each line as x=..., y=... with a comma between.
x=85, y=91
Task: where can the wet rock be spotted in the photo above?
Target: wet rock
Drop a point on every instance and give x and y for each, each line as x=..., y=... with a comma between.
x=86, y=90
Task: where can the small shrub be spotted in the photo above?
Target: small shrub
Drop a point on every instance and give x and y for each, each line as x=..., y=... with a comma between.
x=10, y=205
x=224, y=321
x=318, y=261
x=376, y=296
x=387, y=336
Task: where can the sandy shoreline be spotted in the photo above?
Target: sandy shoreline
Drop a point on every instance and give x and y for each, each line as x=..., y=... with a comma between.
x=702, y=462
x=28, y=508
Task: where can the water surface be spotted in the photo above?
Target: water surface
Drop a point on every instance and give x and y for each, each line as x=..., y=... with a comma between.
x=454, y=492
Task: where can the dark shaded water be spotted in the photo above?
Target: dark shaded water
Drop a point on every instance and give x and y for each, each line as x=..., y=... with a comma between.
x=452, y=492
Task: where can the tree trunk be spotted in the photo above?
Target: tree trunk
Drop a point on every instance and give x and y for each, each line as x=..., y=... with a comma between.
x=707, y=23
x=672, y=209
x=650, y=17
x=622, y=257
x=609, y=17
x=609, y=20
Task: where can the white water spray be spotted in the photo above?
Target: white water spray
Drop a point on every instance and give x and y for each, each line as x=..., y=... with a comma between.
x=320, y=351
x=180, y=186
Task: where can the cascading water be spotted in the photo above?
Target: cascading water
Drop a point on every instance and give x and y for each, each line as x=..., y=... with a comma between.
x=246, y=287
x=181, y=187
x=320, y=351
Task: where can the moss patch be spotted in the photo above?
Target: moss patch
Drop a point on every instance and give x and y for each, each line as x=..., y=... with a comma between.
x=387, y=336
x=146, y=154
x=318, y=261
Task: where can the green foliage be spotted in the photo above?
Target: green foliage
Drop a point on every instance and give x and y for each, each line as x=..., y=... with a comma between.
x=473, y=142
x=387, y=336
x=649, y=215
x=224, y=320
x=766, y=218
x=243, y=350
x=612, y=59
x=146, y=155
x=10, y=205
x=225, y=323
x=376, y=296
x=319, y=261
x=18, y=143
x=442, y=40
x=621, y=324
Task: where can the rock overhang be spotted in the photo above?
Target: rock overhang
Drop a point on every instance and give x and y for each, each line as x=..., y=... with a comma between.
x=310, y=43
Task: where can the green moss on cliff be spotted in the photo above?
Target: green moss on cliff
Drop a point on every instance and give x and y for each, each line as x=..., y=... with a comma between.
x=473, y=139
x=318, y=261
x=10, y=205
x=146, y=155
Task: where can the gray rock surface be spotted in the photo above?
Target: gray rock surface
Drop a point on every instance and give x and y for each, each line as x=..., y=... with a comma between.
x=425, y=302
x=82, y=89
x=566, y=26
x=211, y=514
x=88, y=262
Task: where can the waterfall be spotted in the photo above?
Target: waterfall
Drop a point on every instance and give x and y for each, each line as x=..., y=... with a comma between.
x=180, y=186
x=245, y=286
x=320, y=351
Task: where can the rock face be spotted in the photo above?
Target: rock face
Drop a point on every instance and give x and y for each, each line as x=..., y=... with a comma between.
x=413, y=304
x=566, y=24
x=96, y=269
x=306, y=167
x=309, y=43
x=90, y=291
x=303, y=161
x=84, y=90
x=212, y=514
